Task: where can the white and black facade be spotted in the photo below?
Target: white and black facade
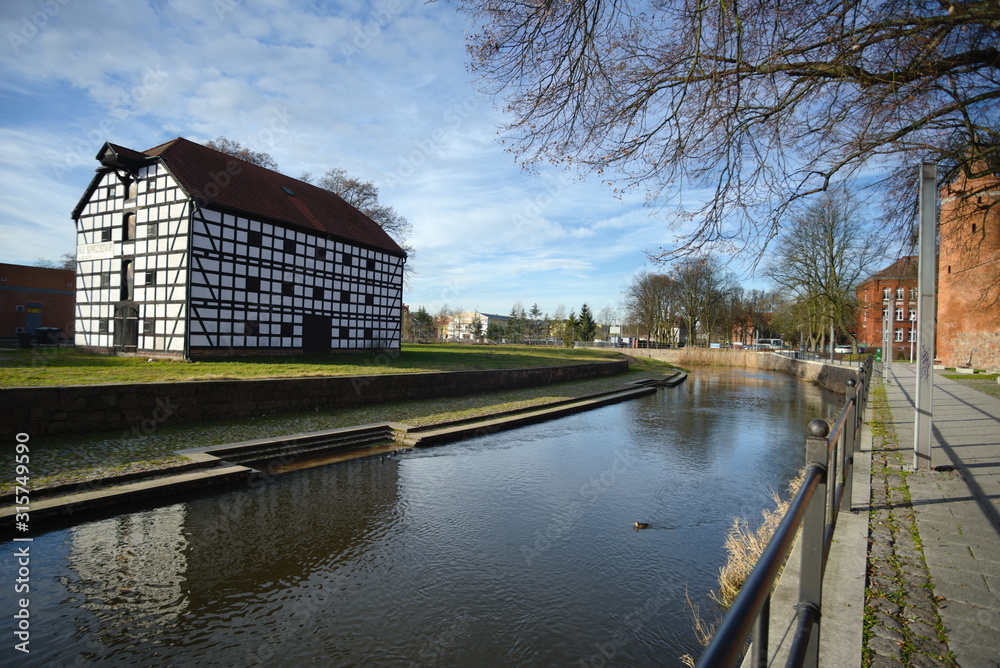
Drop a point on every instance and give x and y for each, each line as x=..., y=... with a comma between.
x=184, y=251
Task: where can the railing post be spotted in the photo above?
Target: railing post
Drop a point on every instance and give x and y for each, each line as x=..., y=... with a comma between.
x=850, y=444
x=813, y=534
x=759, y=637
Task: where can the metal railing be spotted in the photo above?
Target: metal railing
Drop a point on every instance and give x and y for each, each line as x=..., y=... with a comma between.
x=840, y=359
x=825, y=491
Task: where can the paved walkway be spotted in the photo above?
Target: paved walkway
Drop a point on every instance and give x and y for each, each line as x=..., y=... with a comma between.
x=941, y=607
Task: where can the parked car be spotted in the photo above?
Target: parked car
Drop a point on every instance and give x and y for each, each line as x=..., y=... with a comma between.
x=842, y=349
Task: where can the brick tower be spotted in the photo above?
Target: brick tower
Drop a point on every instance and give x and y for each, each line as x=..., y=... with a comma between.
x=968, y=329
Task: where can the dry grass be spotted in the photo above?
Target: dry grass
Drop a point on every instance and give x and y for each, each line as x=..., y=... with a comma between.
x=744, y=545
x=714, y=357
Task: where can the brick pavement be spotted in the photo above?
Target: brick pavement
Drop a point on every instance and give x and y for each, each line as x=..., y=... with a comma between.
x=934, y=536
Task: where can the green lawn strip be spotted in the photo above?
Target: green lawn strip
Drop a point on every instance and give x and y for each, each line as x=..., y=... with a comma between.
x=62, y=459
x=69, y=366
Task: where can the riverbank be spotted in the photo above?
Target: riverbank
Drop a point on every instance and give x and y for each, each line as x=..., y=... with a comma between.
x=84, y=458
x=832, y=377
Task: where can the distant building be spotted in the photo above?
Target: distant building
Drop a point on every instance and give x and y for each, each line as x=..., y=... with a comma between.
x=968, y=328
x=461, y=327
x=33, y=297
x=183, y=250
x=892, y=293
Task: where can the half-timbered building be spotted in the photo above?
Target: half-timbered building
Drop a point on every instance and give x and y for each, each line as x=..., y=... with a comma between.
x=184, y=251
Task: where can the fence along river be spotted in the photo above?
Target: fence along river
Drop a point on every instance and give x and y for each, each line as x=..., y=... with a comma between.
x=516, y=548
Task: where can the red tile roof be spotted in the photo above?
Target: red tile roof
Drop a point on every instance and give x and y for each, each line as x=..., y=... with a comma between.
x=904, y=267
x=220, y=179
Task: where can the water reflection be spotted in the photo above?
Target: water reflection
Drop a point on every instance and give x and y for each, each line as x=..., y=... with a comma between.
x=511, y=549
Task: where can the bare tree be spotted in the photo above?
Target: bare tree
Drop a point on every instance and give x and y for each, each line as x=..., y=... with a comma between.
x=65, y=261
x=651, y=303
x=237, y=150
x=363, y=195
x=826, y=249
x=760, y=103
x=701, y=285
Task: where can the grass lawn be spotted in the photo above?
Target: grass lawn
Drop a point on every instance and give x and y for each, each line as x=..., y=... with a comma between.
x=68, y=366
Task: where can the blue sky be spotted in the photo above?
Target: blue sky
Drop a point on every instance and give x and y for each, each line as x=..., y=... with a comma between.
x=380, y=89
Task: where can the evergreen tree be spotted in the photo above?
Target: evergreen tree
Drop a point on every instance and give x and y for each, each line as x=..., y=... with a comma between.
x=494, y=332
x=423, y=324
x=515, y=324
x=535, y=322
x=585, y=326
x=569, y=333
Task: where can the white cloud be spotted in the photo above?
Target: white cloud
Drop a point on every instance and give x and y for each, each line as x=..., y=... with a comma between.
x=379, y=89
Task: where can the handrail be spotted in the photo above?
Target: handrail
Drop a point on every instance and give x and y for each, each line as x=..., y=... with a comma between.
x=728, y=642
x=825, y=491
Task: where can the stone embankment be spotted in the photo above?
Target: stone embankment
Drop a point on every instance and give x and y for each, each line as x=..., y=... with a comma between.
x=828, y=376
x=48, y=411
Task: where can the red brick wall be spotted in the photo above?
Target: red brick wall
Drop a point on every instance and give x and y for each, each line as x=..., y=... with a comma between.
x=871, y=302
x=54, y=289
x=968, y=328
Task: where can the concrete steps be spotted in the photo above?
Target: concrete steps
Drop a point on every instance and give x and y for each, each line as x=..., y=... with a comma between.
x=260, y=452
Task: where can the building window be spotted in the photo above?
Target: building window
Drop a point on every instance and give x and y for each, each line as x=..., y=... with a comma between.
x=106, y=234
x=885, y=314
x=253, y=284
x=253, y=239
x=900, y=292
x=102, y=327
x=320, y=253
x=899, y=314
x=913, y=294
x=899, y=334
x=973, y=228
x=913, y=335
x=148, y=327
x=251, y=328
x=150, y=278
x=128, y=227
x=289, y=245
x=371, y=263
x=319, y=293
x=886, y=293
x=370, y=299
x=19, y=308
x=105, y=279
x=287, y=329
x=913, y=315
x=153, y=230
x=288, y=289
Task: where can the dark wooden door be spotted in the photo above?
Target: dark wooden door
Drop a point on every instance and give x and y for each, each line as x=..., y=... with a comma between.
x=126, y=326
x=317, y=334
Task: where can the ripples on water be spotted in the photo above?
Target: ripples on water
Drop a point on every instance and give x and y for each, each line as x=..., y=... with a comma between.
x=511, y=549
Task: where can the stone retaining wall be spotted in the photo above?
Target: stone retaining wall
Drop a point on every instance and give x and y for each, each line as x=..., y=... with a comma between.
x=138, y=409
x=828, y=376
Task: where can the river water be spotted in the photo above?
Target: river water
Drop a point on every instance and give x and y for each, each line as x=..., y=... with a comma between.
x=512, y=549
